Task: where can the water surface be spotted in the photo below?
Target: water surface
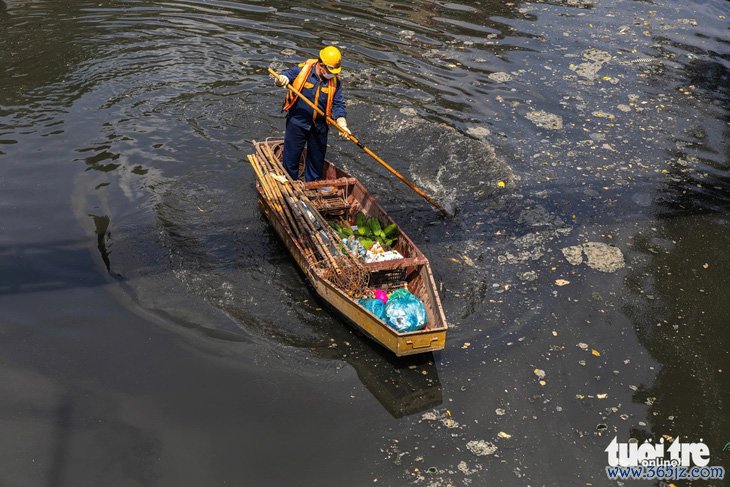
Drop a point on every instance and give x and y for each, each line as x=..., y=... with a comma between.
x=156, y=332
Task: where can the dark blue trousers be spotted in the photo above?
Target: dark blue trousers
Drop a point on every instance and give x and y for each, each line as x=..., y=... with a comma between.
x=297, y=135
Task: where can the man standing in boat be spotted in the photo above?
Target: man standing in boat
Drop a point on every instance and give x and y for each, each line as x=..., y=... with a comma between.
x=317, y=80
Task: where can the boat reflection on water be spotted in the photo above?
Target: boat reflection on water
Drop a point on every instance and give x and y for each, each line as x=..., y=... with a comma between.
x=403, y=385
x=268, y=298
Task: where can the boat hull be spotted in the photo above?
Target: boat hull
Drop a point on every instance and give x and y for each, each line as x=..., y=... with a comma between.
x=401, y=344
x=412, y=271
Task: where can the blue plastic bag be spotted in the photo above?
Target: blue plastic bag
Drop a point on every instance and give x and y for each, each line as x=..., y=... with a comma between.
x=405, y=312
x=375, y=306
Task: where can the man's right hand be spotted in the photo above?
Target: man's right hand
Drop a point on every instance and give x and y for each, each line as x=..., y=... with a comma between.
x=281, y=80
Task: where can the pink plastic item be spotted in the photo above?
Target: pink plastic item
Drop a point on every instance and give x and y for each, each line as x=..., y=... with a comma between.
x=381, y=295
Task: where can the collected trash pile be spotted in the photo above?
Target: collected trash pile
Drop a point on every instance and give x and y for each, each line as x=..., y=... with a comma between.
x=400, y=309
x=321, y=244
x=368, y=238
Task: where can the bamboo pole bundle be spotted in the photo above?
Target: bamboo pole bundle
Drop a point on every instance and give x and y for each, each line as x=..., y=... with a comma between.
x=307, y=228
x=318, y=240
x=280, y=205
x=296, y=191
x=293, y=196
x=313, y=250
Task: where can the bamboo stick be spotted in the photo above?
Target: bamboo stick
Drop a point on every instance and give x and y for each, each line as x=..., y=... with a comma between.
x=345, y=270
x=312, y=234
x=280, y=205
x=290, y=190
x=301, y=195
x=278, y=197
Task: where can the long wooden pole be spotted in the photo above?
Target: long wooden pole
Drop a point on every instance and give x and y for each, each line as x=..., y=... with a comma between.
x=354, y=139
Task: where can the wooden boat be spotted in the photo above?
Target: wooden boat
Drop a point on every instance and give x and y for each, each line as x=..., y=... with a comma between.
x=343, y=196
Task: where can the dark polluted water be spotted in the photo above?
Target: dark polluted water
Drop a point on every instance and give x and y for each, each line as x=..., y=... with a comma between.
x=154, y=331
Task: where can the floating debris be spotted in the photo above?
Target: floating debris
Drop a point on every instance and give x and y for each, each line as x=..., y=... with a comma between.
x=478, y=132
x=443, y=417
x=579, y=3
x=603, y=257
x=449, y=423
x=599, y=256
x=527, y=275
x=545, y=120
x=587, y=70
x=500, y=77
x=573, y=254
x=464, y=468
x=691, y=22
x=481, y=448
x=596, y=56
x=408, y=111
x=530, y=247
x=429, y=416
x=609, y=116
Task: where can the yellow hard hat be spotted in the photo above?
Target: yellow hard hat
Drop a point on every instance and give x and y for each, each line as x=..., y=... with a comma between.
x=331, y=58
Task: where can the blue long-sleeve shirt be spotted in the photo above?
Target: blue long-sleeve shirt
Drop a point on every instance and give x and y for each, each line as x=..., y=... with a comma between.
x=303, y=113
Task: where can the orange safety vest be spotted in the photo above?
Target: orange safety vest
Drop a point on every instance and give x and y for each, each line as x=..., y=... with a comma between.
x=298, y=83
